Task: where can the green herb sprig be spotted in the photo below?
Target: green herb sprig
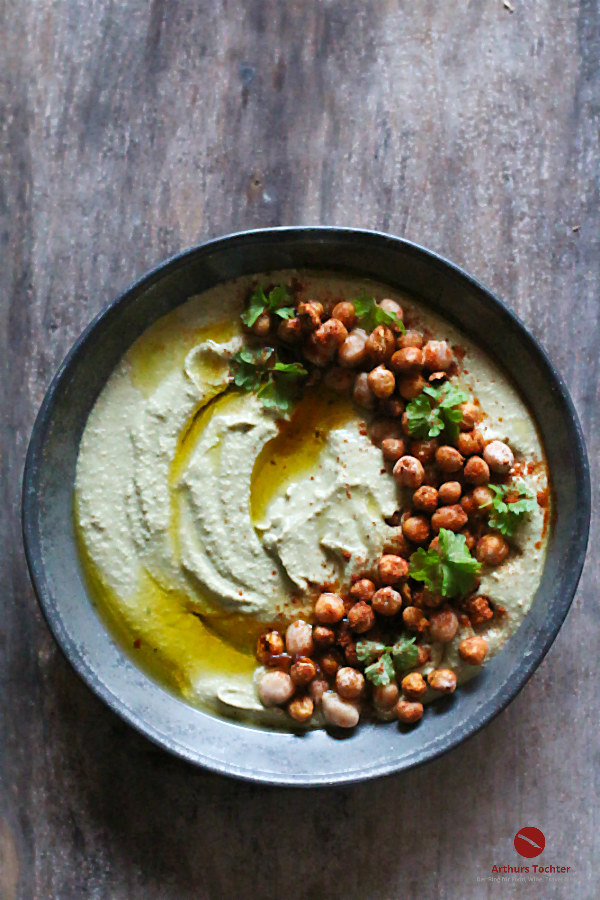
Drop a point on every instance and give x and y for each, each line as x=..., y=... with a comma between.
x=274, y=302
x=436, y=410
x=510, y=503
x=370, y=314
x=384, y=661
x=276, y=384
x=450, y=570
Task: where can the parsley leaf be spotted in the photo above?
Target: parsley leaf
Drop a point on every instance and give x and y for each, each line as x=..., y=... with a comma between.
x=247, y=365
x=370, y=314
x=367, y=651
x=386, y=661
x=405, y=653
x=510, y=503
x=277, y=384
x=275, y=302
x=436, y=410
x=450, y=570
x=382, y=671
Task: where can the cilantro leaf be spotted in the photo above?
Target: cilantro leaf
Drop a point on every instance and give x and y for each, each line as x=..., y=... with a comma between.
x=367, y=651
x=405, y=653
x=436, y=410
x=510, y=503
x=247, y=365
x=382, y=671
x=275, y=302
x=370, y=314
x=277, y=384
x=295, y=368
x=450, y=570
x=256, y=307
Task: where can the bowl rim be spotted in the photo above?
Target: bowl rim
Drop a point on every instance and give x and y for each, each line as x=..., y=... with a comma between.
x=30, y=503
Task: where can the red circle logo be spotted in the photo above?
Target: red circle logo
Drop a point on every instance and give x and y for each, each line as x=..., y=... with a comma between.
x=529, y=842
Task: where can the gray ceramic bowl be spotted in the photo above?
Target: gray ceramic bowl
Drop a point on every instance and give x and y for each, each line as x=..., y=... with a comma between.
x=316, y=758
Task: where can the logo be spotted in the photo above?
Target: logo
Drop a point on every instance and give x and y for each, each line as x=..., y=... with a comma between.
x=529, y=842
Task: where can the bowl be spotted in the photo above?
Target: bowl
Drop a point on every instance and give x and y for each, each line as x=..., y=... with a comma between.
x=228, y=747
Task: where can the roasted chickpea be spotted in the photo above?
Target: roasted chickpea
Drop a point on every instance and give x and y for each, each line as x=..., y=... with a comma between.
x=301, y=709
x=386, y=601
x=322, y=344
x=409, y=712
x=398, y=544
x=302, y=671
x=330, y=662
x=477, y=471
x=426, y=599
x=491, y=549
x=409, y=472
x=380, y=344
x=424, y=450
x=392, y=569
x=473, y=650
x=329, y=609
x=310, y=315
x=323, y=637
x=382, y=382
x=442, y=680
x=298, y=639
x=471, y=416
x=339, y=380
x=385, y=696
x=409, y=359
x=393, y=407
x=416, y=528
x=392, y=449
x=449, y=492
x=410, y=386
x=411, y=338
x=316, y=689
x=275, y=688
x=475, y=502
x=451, y=517
x=362, y=393
x=262, y=326
x=361, y=617
x=380, y=429
x=339, y=712
x=390, y=306
x=269, y=645
x=290, y=330
x=478, y=610
x=443, y=625
x=349, y=683
x=448, y=459
x=425, y=498
x=499, y=457
x=424, y=655
x=363, y=589
x=414, y=619
x=470, y=443
x=352, y=353
x=413, y=686
x=437, y=356
x=346, y=314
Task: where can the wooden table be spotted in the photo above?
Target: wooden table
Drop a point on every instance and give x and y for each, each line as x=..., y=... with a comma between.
x=132, y=130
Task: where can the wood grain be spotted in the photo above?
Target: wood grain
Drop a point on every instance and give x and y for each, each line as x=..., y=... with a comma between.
x=131, y=130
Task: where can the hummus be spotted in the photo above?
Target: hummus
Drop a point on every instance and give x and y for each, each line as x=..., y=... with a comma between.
x=202, y=517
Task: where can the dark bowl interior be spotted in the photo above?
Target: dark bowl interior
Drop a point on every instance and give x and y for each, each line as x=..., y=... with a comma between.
x=225, y=746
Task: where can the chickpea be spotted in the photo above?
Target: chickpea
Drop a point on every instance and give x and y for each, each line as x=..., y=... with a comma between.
x=362, y=393
x=473, y=650
x=290, y=330
x=303, y=671
x=275, y=688
x=409, y=712
x=323, y=343
x=339, y=380
x=477, y=471
x=393, y=407
x=361, y=617
x=442, y=680
x=424, y=450
x=380, y=429
x=337, y=711
x=316, y=689
x=449, y=493
x=410, y=386
x=443, y=625
x=298, y=639
x=451, y=517
x=409, y=359
x=330, y=662
x=499, y=457
x=310, y=315
x=491, y=549
x=262, y=326
x=475, y=502
x=448, y=459
x=390, y=306
x=398, y=545
x=269, y=645
x=329, y=609
x=353, y=352
x=346, y=313
x=471, y=416
x=386, y=601
x=416, y=528
x=349, y=683
x=382, y=382
x=479, y=611
x=301, y=709
x=437, y=356
x=414, y=619
x=392, y=449
x=392, y=569
x=380, y=344
x=424, y=656
x=470, y=443
x=385, y=696
x=413, y=686
x=425, y=498
x=323, y=637
x=411, y=338
x=409, y=472
x=363, y=589
x=427, y=599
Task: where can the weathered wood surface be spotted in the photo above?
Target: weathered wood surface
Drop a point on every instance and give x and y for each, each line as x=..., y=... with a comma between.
x=131, y=130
